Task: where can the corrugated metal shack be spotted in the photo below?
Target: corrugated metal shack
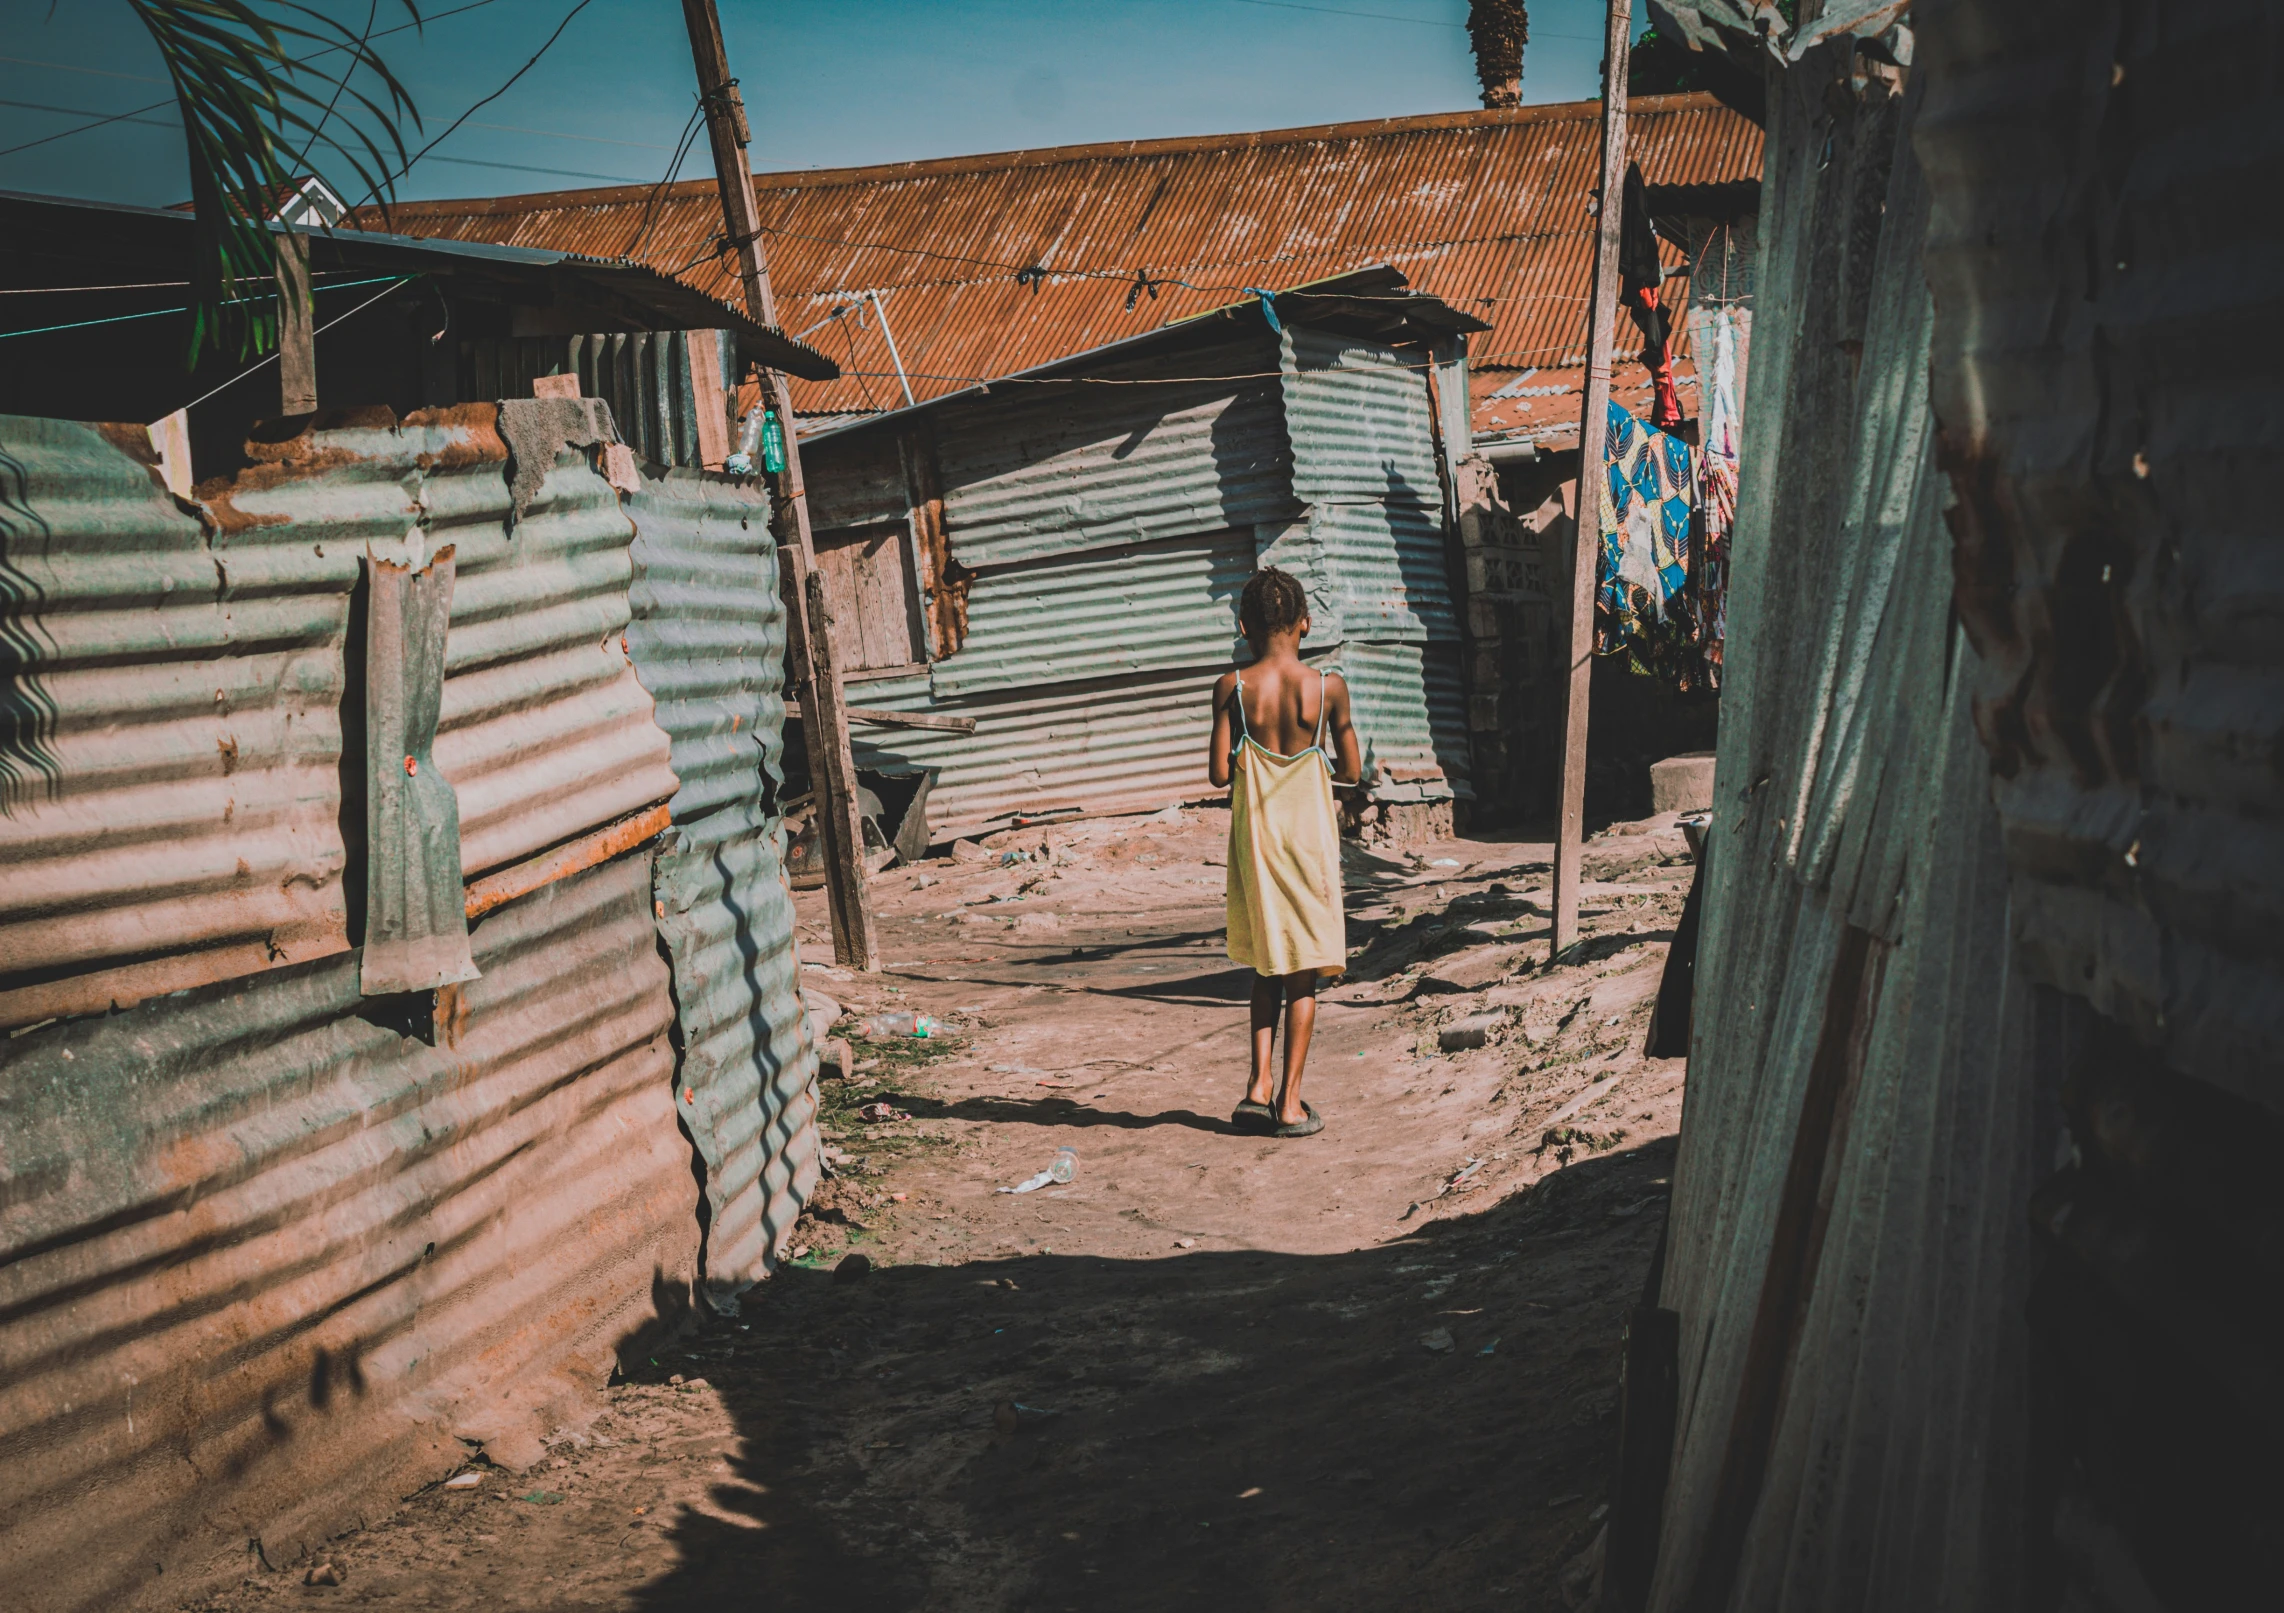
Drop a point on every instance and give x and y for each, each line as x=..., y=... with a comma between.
x=1972, y=1245
x=1058, y=555
x=274, y=1248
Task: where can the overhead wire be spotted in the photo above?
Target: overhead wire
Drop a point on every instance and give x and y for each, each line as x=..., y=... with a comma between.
x=160, y=106
x=453, y=128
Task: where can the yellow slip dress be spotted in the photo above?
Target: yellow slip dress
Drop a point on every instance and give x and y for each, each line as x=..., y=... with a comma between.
x=1284, y=856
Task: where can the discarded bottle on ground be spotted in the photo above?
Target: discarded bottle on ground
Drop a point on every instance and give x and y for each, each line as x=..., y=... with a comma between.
x=902, y=1022
x=1065, y=1165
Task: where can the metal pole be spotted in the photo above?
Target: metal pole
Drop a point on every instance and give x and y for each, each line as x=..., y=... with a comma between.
x=809, y=622
x=1593, y=420
x=881, y=309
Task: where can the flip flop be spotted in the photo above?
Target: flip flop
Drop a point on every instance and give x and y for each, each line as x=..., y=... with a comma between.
x=1251, y=1116
x=1308, y=1125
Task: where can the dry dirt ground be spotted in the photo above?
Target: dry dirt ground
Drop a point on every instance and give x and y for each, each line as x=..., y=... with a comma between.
x=1371, y=1368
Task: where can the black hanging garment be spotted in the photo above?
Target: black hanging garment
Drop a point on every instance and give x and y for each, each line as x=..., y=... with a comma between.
x=1639, y=279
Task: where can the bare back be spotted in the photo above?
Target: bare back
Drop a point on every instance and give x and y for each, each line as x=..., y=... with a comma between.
x=1283, y=705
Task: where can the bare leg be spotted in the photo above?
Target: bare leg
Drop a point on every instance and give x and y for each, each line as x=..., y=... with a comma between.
x=1268, y=998
x=1300, y=1025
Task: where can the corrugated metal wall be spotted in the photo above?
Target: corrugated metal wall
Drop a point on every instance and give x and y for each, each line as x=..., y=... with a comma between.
x=268, y=1261
x=1125, y=745
x=645, y=376
x=1847, y=1247
x=174, y=732
x=262, y=1255
x=1364, y=461
x=1122, y=456
x=2111, y=427
x=708, y=639
x=546, y=730
x=1142, y=608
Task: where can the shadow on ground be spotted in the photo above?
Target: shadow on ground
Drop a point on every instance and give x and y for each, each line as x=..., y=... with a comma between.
x=1428, y=1422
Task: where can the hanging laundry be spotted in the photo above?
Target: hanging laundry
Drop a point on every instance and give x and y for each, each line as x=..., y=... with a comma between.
x=1648, y=504
x=1640, y=278
x=1708, y=594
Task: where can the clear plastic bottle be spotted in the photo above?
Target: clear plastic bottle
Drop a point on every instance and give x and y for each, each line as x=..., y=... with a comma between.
x=749, y=443
x=1065, y=1164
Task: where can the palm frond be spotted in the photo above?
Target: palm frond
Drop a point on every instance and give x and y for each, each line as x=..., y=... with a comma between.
x=247, y=101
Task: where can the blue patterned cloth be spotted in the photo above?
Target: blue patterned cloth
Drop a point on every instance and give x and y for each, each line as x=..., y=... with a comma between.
x=1648, y=510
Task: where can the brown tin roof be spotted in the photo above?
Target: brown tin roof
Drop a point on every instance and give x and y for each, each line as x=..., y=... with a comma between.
x=1488, y=210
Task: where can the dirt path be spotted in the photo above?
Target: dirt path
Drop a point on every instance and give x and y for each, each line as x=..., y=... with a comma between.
x=1215, y=1369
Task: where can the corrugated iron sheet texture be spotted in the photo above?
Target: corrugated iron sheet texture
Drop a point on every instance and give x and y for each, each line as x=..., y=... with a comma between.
x=1128, y=746
x=708, y=639
x=1410, y=715
x=174, y=729
x=644, y=376
x=266, y=1258
x=1487, y=210
x=1103, y=462
x=2114, y=457
x=546, y=731
x=1144, y=608
x=1357, y=413
x=1853, y=1351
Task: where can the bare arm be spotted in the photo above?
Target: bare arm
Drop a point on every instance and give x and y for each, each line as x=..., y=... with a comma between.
x=1217, y=760
x=1348, y=759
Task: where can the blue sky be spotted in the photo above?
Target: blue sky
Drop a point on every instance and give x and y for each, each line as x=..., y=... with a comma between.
x=828, y=84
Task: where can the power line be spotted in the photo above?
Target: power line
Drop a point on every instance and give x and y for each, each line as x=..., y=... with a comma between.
x=160, y=106
x=319, y=331
x=154, y=313
x=568, y=18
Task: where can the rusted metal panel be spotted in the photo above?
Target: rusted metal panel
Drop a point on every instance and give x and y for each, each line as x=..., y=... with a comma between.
x=546, y=731
x=264, y=1264
x=1102, y=462
x=1143, y=608
x=174, y=730
x=1487, y=210
x=651, y=380
x=2110, y=456
x=416, y=922
x=708, y=640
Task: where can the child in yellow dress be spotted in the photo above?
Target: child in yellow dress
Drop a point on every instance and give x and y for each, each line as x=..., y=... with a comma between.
x=1281, y=735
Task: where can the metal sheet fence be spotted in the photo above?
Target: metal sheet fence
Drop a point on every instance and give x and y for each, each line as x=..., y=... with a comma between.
x=1847, y=1245
x=250, y=1223
x=173, y=731
x=708, y=639
x=267, y=1259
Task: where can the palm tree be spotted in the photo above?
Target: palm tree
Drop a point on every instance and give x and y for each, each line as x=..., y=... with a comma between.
x=1499, y=29
x=247, y=104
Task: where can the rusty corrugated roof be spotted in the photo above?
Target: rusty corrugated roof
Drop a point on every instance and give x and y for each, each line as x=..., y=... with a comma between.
x=1487, y=210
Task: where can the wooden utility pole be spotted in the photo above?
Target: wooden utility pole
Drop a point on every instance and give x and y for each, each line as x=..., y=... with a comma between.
x=297, y=326
x=809, y=624
x=1593, y=430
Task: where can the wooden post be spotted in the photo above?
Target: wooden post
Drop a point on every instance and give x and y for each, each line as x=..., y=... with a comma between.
x=824, y=711
x=1593, y=426
x=297, y=327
